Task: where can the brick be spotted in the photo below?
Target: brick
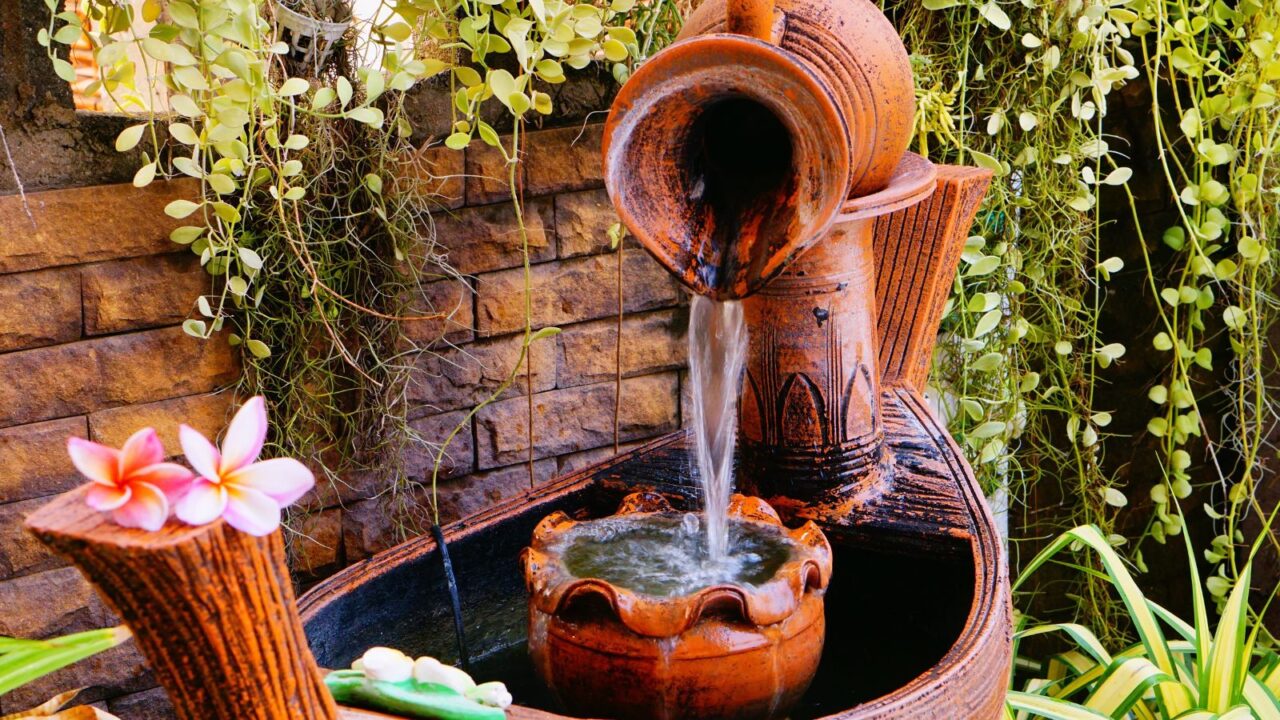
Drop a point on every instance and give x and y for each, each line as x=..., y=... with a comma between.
x=461, y=377
x=332, y=489
x=563, y=159
x=571, y=419
x=54, y=602
x=20, y=552
x=125, y=222
x=577, y=461
x=481, y=239
x=39, y=308
x=428, y=433
x=464, y=497
x=582, y=223
x=109, y=372
x=141, y=292
x=571, y=291
x=650, y=343
x=35, y=459
x=209, y=413
x=368, y=527
x=435, y=174
x=488, y=175
x=150, y=704
x=317, y=545
x=454, y=301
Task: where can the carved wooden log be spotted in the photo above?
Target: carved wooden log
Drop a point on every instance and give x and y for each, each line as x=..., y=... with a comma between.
x=211, y=607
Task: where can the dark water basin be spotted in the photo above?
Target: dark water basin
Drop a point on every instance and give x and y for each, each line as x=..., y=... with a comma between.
x=891, y=614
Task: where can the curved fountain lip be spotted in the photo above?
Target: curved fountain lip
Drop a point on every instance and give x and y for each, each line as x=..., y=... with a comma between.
x=552, y=587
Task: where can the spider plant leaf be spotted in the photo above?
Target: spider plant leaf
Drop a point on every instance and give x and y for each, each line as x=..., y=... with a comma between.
x=1123, y=684
x=1173, y=698
x=1052, y=708
x=22, y=661
x=1083, y=637
x=1228, y=661
x=1264, y=703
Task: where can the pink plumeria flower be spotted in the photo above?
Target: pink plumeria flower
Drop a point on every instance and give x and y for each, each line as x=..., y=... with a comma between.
x=130, y=483
x=231, y=485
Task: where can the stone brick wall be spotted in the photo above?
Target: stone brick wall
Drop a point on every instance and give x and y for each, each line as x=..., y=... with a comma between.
x=573, y=375
x=91, y=295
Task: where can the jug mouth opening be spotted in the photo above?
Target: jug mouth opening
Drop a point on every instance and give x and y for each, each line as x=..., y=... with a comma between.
x=725, y=156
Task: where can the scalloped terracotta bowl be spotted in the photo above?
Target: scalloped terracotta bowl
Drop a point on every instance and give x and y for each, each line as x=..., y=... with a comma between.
x=727, y=651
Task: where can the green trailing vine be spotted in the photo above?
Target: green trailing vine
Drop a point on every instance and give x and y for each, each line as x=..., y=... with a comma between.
x=1023, y=89
x=305, y=220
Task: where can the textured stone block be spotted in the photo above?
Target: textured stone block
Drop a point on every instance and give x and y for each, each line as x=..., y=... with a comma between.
x=39, y=308
x=434, y=174
x=488, y=176
x=650, y=343
x=582, y=223
x=431, y=432
x=466, y=496
x=368, y=527
x=126, y=222
x=454, y=302
x=481, y=239
x=318, y=544
x=577, y=461
x=141, y=292
x=563, y=159
x=571, y=419
x=111, y=371
x=35, y=462
x=571, y=291
x=55, y=602
x=20, y=552
x=209, y=413
x=461, y=377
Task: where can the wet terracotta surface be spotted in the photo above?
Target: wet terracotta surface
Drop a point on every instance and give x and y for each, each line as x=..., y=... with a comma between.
x=731, y=651
x=730, y=153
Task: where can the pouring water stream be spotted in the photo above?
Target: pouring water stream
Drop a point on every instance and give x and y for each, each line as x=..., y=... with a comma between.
x=717, y=351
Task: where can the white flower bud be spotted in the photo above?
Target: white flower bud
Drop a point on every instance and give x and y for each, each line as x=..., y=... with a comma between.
x=385, y=665
x=431, y=670
x=491, y=693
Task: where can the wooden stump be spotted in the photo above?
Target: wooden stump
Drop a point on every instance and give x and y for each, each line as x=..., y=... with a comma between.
x=211, y=607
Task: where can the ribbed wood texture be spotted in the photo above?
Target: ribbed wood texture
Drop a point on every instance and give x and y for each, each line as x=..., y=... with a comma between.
x=916, y=251
x=211, y=608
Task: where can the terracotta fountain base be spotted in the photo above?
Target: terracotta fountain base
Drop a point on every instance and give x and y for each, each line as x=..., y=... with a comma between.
x=917, y=612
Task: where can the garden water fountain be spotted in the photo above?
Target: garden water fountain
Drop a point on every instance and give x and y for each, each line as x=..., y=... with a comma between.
x=762, y=159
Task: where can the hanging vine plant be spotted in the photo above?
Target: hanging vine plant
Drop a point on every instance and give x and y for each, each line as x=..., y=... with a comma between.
x=305, y=220
x=1023, y=89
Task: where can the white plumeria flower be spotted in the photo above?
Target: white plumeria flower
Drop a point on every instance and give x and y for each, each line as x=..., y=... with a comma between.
x=431, y=670
x=494, y=694
x=385, y=664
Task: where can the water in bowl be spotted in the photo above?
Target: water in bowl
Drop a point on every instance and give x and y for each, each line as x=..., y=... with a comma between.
x=666, y=555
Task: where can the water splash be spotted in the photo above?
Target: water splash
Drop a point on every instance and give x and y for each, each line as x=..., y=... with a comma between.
x=717, y=351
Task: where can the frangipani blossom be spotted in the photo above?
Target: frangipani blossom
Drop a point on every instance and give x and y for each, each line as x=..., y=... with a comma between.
x=130, y=483
x=231, y=485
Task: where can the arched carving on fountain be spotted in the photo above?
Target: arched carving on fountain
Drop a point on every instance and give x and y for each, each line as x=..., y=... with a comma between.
x=801, y=416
